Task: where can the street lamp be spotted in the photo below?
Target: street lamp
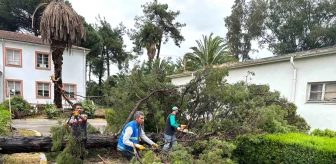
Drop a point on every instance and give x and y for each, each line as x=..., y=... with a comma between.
x=11, y=92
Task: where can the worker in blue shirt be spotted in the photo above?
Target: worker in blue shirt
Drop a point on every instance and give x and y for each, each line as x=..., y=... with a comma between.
x=170, y=129
x=130, y=136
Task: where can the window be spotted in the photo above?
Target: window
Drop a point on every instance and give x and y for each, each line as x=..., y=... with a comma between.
x=322, y=92
x=42, y=60
x=15, y=85
x=43, y=90
x=70, y=90
x=13, y=57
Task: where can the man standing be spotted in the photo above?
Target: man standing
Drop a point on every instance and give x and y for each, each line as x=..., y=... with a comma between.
x=78, y=127
x=131, y=134
x=170, y=129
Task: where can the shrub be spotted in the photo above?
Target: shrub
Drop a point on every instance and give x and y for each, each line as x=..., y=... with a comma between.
x=285, y=148
x=40, y=107
x=214, y=151
x=19, y=106
x=51, y=110
x=323, y=133
x=91, y=129
x=89, y=108
x=181, y=155
x=149, y=158
x=112, y=121
x=71, y=153
x=4, y=120
x=58, y=132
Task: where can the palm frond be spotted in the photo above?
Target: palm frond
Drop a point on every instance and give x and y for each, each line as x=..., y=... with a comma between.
x=60, y=24
x=33, y=16
x=209, y=51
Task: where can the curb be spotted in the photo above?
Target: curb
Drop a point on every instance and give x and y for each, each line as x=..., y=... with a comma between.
x=43, y=159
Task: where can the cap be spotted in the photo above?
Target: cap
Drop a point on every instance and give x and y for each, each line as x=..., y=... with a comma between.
x=175, y=108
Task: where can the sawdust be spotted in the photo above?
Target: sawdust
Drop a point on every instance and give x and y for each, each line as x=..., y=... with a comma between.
x=23, y=158
x=26, y=132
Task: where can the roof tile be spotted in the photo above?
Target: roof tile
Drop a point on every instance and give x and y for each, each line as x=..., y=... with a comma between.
x=27, y=38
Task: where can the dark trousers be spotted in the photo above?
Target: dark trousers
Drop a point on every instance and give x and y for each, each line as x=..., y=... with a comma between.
x=128, y=155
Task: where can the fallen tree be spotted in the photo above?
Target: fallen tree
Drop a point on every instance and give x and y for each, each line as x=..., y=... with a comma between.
x=22, y=144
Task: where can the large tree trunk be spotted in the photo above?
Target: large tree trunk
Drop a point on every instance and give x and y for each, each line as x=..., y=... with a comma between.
x=101, y=69
x=57, y=57
x=151, y=52
x=158, y=49
x=90, y=70
x=100, y=78
x=108, y=63
x=21, y=144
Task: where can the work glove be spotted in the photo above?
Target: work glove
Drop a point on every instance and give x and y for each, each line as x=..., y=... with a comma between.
x=181, y=127
x=155, y=145
x=140, y=147
x=75, y=113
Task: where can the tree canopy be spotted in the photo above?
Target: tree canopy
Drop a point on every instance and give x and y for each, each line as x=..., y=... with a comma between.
x=155, y=27
x=281, y=26
x=209, y=104
x=16, y=15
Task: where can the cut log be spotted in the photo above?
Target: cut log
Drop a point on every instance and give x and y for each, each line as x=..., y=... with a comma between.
x=21, y=144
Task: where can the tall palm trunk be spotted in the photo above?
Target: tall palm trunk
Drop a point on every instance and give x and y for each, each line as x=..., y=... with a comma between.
x=60, y=27
x=158, y=46
x=57, y=57
x=151, y=52
x=90, y=70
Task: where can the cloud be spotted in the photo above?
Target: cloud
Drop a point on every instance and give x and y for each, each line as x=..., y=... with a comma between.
x=201, y=17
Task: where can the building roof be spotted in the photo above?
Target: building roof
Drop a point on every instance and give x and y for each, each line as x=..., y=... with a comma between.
x=297, y=55
x=21, y=37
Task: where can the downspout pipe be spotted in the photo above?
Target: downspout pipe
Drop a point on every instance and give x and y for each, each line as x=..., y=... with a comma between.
x=3, y=71
x=294, y=79
x=84, y=76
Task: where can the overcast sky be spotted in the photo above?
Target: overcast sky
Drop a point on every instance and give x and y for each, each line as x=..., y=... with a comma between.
x=201, y=17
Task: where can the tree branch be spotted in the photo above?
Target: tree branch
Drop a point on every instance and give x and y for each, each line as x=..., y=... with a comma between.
x=139, y=103
x=189, y=86
x=52, y=77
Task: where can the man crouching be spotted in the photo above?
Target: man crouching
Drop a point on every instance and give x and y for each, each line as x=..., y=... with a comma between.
x=131, y=134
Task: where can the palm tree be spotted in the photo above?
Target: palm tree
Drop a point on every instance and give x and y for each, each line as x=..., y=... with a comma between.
x=209, y=51
x=60, y=27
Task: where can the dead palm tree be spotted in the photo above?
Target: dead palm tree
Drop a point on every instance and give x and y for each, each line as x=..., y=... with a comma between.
x=60, y=27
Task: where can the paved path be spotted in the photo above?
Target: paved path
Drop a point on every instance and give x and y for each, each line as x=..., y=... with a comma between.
x=43, y=125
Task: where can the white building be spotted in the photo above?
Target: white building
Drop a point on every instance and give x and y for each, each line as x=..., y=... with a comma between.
x=26, y=67
x=306, y=78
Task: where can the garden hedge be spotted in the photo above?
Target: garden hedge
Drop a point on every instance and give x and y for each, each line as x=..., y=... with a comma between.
x=291, y=148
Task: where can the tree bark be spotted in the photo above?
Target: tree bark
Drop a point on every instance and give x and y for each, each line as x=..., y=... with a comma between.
x=159, y=49
x=151, y=52
x=108, y=63
x=57, y=57
x=101, y=70
x=21, y=144
x=90, y=70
